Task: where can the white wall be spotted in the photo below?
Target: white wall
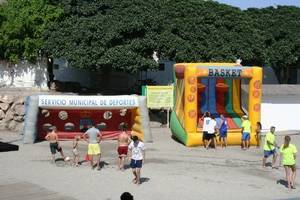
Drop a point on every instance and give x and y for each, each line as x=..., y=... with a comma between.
x=24, y=74
x=282, y=116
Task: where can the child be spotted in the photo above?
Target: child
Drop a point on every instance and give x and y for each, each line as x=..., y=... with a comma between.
x=52, y=138
x=288, y=154
x=246, y=130
x=270, y=147
x=258, y=133
x=75, y=150
x=223, y=131
x=137, y=150
x=211, y=133
x=206, y=120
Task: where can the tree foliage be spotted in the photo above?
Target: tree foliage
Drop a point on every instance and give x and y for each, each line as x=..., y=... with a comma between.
x=280, y=28
x=208, y=31
x=122, y=35
x=22, y=23
x=112, y=34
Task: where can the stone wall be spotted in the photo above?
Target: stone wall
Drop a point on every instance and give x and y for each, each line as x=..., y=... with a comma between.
x=12, y=112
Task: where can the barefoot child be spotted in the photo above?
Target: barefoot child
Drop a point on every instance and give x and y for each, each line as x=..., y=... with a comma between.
x=137, y=158
x=123, y=142
x=52, y=138
x=258, y=133
x=75, y=150
x=288, y=154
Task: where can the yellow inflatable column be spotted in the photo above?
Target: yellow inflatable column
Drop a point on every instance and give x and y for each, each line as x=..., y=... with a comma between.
x=137, y=124
x=190, y=105
x=255, y=93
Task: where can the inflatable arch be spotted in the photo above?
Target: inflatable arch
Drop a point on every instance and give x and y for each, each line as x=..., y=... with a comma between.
x=73, y=115
x=213, y=87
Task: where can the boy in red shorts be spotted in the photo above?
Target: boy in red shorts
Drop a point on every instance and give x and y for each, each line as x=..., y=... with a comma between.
x=123, y=142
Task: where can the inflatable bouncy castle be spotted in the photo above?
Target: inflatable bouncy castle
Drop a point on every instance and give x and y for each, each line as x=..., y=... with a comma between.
x=213, y=87
x=73, y=115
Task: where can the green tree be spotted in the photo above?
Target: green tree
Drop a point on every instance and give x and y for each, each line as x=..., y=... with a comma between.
x=106, y=35
x=22, y=23
x=122, y=35
x=280, y=28
x=209, y=31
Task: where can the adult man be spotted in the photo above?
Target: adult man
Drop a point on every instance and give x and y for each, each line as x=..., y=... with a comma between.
x=246, y=130
x=123, y=142
x=270, y=147
x=211, y=132
x=206, y=120
x=52, y=138
x=94, y=138
x=137, y=158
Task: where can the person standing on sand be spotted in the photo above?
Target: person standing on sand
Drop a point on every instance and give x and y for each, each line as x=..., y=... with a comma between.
x=258, y=133
x=206, y=120
x=211, y=133
x=75, y=150
x=246, y=130
x=223, y=131
x=288, y=154
x=137, y=158
x=52, y=138
x=270, y=147
x=94, y=138
x=123, y=142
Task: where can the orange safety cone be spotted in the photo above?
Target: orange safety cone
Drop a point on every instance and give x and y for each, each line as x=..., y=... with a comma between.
x=87, y=157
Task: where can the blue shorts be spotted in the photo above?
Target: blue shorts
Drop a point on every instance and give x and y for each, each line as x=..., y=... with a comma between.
x=245, y=136
x=268, y=153
x=136, y=163
x=223, y=134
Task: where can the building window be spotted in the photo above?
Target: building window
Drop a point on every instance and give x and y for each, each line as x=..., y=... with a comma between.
x=161, y=67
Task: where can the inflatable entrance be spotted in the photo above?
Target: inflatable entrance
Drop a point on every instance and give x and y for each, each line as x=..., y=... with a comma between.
x=213, y=87
x=73, y=115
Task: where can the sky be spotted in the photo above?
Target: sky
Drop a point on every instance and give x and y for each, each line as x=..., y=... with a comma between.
x=244, y=4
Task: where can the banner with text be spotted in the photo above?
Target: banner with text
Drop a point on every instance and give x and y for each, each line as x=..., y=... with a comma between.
x=159, y=96
x=92, y=102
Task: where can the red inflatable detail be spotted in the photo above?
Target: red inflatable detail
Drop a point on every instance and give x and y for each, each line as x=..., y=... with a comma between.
x=179, y=71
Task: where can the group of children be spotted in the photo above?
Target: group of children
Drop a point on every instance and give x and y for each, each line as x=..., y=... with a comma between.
x=210, y=129
x=93, y=137
x=287, y=151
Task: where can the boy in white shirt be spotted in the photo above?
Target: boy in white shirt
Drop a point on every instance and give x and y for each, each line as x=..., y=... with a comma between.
x=206, y=120
x=137, y=158
x=211, y=132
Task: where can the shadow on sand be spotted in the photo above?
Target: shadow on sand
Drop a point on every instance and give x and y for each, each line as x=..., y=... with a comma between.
x=282, y=182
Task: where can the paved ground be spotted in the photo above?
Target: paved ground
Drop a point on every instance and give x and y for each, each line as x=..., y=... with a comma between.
x=171, y=171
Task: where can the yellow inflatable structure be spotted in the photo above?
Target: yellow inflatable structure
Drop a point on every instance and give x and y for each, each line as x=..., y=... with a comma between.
x=213, y=87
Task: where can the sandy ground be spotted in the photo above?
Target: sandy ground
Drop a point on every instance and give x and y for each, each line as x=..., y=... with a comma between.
x=171, y=171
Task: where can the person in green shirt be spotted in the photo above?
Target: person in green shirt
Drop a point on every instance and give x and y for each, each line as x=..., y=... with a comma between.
x=246, y=130
x=288, y=154
x=270, y=147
